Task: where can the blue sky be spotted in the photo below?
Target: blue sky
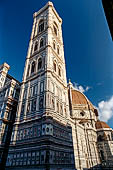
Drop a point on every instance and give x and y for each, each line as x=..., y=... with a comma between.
x=87, y=43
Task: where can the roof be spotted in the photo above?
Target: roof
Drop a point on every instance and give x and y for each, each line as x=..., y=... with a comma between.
x=80, y=98
x=10, y=77
x=101, y=124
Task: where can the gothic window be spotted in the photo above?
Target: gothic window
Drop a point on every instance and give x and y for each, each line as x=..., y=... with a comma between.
x=33, y=107
x=59, y=71
x=53, y=105
x=41, y=26
x=57, y=107
x=36, y=46
x=58, y=51
x=33, y=67
x=39, y=63
x=61, y=110
x=41, y=103
x=54, y=65
x=55, y=30
x=41, y=42
x=28, y=106
x=54, y=46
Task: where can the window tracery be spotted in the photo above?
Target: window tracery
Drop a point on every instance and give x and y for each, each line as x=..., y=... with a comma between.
x=57, y=107
x=41, y=42
x=54, y=45
x=33, y=67
x=53, y=105
x=39, y=63
x=36, y=46
x=61, y=110
x=58, y=50
x=55, y=28
x=33, y=106
x=41, y=25
x=54, y=65
x=28, y=107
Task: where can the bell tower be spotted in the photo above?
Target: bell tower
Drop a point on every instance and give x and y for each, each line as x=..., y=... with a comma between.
x=42, y=137
x=44, y=79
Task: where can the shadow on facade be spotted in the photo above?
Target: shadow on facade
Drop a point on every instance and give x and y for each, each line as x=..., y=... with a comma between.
x=11, y=112
x=49, y=145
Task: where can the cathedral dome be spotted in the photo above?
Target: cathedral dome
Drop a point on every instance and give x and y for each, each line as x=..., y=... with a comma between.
x=101, y=124
x=80, y=98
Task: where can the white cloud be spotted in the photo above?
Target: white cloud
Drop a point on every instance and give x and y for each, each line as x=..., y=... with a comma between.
x=105, y=109
x=81, y=88
x=87, y=88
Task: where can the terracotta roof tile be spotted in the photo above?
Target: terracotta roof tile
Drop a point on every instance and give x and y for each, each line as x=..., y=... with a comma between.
x=79, y=98
x=100, y=125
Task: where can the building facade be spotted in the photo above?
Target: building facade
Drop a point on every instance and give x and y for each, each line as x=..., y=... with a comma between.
x=9, y=94
x=56, y=126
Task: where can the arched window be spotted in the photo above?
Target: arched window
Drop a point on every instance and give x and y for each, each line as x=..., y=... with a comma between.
x=28, y=107
x=61, y=110
x=59, y=71
x=57, y=107
x=55, y=30
x=41, y=26
x=54, y=65
x=36, y=46
x=33, y=67
x=39, y=63
x=65, y=110
x=33, y=106
x=54, y=46
x=41, y=42
x=58, y=51
x=53, y=104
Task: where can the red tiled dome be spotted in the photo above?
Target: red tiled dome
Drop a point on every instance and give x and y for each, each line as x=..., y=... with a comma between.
x=100, y=125
x=79, y=98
